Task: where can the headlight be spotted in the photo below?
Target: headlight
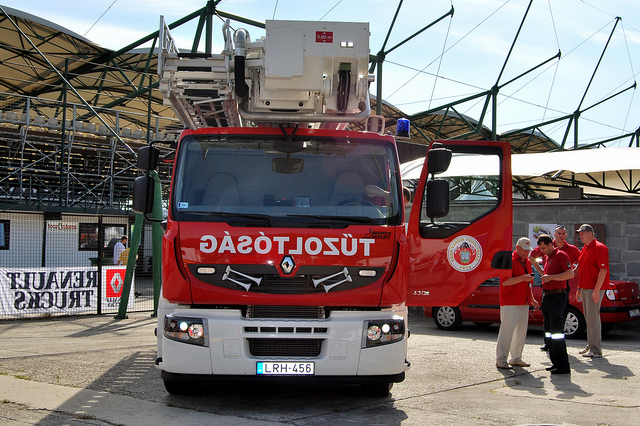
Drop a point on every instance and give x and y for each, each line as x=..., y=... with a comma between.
x=374, y=333
x=187, y=330
x=382, y=332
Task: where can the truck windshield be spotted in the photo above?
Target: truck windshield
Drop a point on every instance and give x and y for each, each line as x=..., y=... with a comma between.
x=249, y=180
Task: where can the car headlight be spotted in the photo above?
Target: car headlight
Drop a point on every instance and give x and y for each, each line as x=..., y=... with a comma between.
x=382, y=332
x=187, y=330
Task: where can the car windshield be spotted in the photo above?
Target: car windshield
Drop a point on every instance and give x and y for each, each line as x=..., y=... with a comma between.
x=248, y=180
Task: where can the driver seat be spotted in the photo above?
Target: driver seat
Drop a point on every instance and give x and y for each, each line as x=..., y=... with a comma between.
x=222, y=190
x=349, y=185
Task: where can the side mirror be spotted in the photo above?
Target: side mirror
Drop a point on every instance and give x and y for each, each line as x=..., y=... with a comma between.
x=437, y=198
x=143, y=188
x=438, y=159
x=148, y=158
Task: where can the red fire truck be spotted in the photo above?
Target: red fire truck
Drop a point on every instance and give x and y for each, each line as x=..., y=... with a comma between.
x=286, y=254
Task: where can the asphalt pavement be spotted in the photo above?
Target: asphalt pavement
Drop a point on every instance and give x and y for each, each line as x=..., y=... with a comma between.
x=96, y=370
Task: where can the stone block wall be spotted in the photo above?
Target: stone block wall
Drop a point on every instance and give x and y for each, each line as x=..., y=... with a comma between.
x=621, y=218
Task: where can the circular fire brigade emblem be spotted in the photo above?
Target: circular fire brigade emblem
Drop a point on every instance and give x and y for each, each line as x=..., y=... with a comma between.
x=464, y=253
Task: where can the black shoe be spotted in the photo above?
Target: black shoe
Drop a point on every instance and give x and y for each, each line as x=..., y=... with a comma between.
x=561, y=371
x=544, y=348
x=553, y=367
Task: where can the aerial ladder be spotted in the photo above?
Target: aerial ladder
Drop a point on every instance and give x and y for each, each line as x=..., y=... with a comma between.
x=299, y=72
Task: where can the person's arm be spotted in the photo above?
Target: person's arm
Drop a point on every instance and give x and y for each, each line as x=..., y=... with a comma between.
x=595, y=296
x=578, y=289
x=516, y=280
x=533, y=300
x=534, y=264
x=563, y=276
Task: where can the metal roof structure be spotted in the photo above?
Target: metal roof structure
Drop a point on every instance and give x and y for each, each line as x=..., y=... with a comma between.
x=104, y=78
x=73, y=145
x=72, y=113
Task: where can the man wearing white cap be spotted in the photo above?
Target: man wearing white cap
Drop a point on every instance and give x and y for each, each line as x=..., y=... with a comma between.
x=515, y=297
x=594, y=280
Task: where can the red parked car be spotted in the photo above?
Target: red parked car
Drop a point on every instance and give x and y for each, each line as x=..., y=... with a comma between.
x=620, y=304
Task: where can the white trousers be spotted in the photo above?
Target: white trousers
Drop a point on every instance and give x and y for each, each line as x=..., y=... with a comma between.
x=514, y=320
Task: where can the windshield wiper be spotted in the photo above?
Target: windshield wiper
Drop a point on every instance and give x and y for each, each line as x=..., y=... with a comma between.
x=256, y=217
x=342, y=219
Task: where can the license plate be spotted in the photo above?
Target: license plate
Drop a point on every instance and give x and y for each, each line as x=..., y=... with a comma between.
x=285, y=368
x=634, y=313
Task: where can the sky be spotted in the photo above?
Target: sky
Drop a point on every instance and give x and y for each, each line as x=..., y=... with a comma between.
x=457, y=57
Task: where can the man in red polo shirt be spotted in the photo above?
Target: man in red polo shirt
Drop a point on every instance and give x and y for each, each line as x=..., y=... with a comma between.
x=515, y=297
x=560, y=241
x=557, y=270
x=594, y=280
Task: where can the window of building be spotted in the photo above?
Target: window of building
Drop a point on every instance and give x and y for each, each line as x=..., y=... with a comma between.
x=88, y=236
x=4, y=234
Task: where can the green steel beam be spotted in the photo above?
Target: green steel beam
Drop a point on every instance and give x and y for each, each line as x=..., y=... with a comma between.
x=380, y=57
x=156, y=241
x=240, y=19
x=513, y=44
x=131, y=264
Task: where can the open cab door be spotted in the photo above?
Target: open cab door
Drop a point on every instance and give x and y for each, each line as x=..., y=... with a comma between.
x=461, y=223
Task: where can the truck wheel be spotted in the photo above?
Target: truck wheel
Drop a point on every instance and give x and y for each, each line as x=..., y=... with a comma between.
x=447, y=317
x=575, y=324
x=178, y=387
x=376, y=389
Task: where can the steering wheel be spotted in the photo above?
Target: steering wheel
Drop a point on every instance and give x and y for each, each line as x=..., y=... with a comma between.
x=356, y=202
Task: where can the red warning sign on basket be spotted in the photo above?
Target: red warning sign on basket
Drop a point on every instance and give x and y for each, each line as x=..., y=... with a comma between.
x=324, y=36
x=115, y=282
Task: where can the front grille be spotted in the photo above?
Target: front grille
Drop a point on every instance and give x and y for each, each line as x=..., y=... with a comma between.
x=286, y=330
x=285, y=347
x=288, y=312
x=274, y=284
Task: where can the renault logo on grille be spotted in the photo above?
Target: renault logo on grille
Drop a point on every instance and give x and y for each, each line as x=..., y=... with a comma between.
x=287, y=264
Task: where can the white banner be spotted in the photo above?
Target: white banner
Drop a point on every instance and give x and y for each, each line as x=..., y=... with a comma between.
x=60, y=291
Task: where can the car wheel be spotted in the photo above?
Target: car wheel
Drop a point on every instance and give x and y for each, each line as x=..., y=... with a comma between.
x=447, y=317
x=575, y=324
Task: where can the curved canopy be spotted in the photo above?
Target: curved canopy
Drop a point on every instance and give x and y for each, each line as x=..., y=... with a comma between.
x=610, y=171
x=104, y=78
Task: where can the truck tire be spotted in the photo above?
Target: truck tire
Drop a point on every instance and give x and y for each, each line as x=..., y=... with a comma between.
x=575, y=325
x=179, y=387
x=376, y=389
x=447, y=317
